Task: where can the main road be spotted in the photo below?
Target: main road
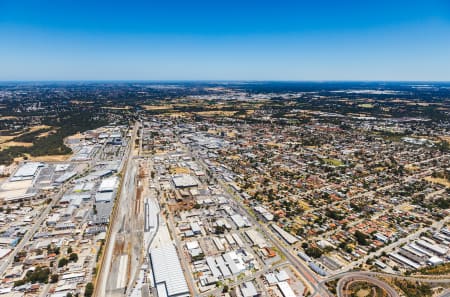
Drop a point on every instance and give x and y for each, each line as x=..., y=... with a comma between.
x=344, y=281
x=312, y=281
x=37, y=224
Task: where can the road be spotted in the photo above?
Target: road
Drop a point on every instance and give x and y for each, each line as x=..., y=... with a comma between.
x=371, y=193
x=368, y=275
x=218, y=291
x=116, y=219
x=183, y=258
x=312, y=281
x=436, y=225
x=346, y=280
x=37, y=224
x=381, y=274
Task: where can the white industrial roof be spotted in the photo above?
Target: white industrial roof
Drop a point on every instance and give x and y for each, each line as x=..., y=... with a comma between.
x=61, y=167
x=104, y=196
x=286, y=290
x=288, y=237
x=240, y=221
x=256, y=238
x=184, y=180
x=435, y=260
x=65, y=177
x=271, y=279
x=4, y=252
x=433, y=247
x=27, y=170
x=108, y=184
x=404, y=260
x=282, y=276
x=167, y=270
x=248, y=289
x=190, y=245
x=72, y=275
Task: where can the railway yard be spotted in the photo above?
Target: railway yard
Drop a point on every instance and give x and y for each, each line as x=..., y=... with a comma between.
x=224, y=203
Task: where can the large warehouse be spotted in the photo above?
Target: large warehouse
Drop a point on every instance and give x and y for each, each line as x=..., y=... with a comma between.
x=109, y=184
x=168, y=275
x=26, y=171
x=184, y=181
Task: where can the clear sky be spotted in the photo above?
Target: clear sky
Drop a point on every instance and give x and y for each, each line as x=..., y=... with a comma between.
x=224, y=40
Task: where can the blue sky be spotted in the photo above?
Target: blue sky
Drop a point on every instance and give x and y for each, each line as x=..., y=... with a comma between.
x=224, y=40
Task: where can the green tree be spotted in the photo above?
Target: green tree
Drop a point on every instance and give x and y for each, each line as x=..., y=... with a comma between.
x=314, y=252
x=54, y=278
x=89, y=290
x=63, y=262
x=361, y=238
x=73, y=257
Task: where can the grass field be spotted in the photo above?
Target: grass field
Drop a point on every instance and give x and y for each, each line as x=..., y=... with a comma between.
x=116, y=108
x=157, y=107
x=7, y=144
x=366, y=105
x=6, y=140
x=334, y=162
x=441, y=181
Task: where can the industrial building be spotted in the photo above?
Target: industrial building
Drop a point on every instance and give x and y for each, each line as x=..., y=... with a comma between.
x=289, y=238
x=226, y=265
x=286, y=290
x=184, y=181
x=168, y=275
x=248, y=290
x=256, y=238
x=65, y=177
x=26, y=171
x=108, y=184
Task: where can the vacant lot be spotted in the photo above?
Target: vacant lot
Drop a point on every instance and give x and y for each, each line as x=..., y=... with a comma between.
x=441, y=181
x=157, y=107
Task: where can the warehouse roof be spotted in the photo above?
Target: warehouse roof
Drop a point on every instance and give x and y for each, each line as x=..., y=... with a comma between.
x=184, y=181
x=27, y=170
x=167, y=270
x=286, y=290
x=104, y=196
x=289, y=238
x=65, y=177
x=108, y=184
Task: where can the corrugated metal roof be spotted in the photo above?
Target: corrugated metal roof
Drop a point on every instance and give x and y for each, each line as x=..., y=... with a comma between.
x=286, y=290
x=108, y=184
x=167, y=270
x=27, y=170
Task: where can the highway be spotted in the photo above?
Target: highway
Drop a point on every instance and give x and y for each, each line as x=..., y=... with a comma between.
x=381, y=274
x=346, y=280
x=314, y=282
x=370, y=277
